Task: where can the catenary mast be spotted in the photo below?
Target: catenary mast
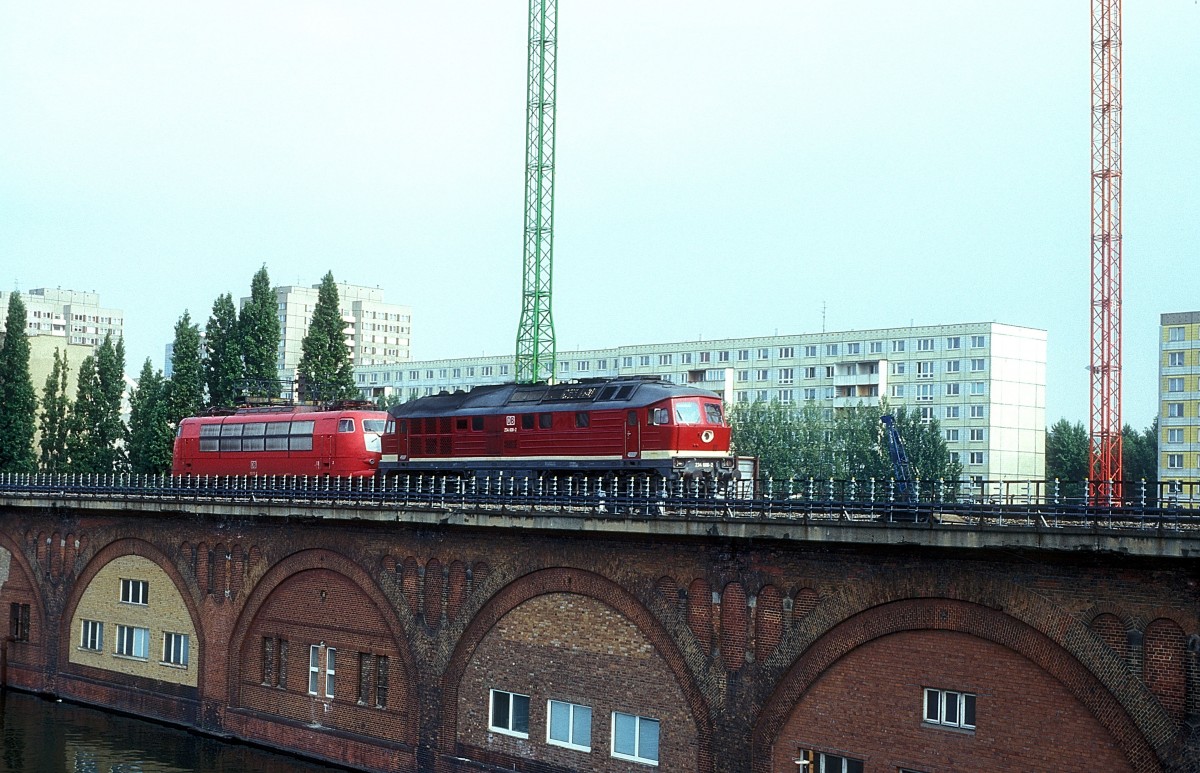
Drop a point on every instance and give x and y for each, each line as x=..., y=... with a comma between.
x=1105, y=470
x=535, y=334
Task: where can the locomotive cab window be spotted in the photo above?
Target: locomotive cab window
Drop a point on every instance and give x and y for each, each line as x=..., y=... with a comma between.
x=687, y=412
x=527, y=421
x=712, y=412
x=545, y=420
x=345, y=425
x=373, y=425
x=658, y=416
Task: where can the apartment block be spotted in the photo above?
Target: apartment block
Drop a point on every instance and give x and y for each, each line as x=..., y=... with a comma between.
x=1179, y=401
x=377, y=333
x=984, y=382
x=73, y=315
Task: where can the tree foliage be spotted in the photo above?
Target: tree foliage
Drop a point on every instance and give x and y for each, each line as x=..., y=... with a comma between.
x=150, y=434
x=325, y=371
x=55, y=417
x=1068, y=450
x=97, y=436
x=18, y=400
x=185, y=393
x=258, y=329
x=224, y=373
x=848, y=443
x=1139, y=458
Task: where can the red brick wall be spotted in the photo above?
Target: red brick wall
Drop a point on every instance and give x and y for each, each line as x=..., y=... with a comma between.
x=869, y=706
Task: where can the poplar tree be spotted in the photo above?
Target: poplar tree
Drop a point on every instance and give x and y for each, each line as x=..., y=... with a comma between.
x=18, y=400
x=185, y=393
x=223, y=369
x=258, y=328
x=325, y=370
x=111, y=433
x=55, y=417
x=150, y=434
x=82, y=448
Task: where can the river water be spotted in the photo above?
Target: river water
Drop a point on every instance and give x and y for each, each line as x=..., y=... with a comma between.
x=45, y=736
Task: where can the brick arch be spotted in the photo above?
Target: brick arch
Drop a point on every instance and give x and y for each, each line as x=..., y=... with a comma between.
x=590, y=585
x=317, y=559
x=19, y=563
x=1134, y=738
x=142, y=549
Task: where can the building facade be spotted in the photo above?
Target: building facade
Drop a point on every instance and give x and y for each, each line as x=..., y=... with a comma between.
x=73, y=315
x=985, y=382
x=1179, y=402
x=377, y=333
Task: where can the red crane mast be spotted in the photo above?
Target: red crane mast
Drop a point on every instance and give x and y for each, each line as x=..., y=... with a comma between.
x=1105, y=469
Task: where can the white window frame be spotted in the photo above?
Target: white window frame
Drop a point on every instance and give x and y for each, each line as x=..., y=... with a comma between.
x=875, y=347
x=953, y=366
x=977, y=412
x=954, y=342
x=1174, y=461
x=949, y=709
x=637, y=738
x=315, y=669
x=977, y=434
x=1175, y=359
x=512, y=701
x=978, y=342
x=898, y=345
x=1174, y=334
x=810, y=351
x=924, y=393
x=132, y=642
x=952, y=412
x=91, y=636
x=1174, y=410
x=978, y=364
x=1175, y=384
x=571, y=742
x=176, y=649
x=953, y=389
x=925, y=369
x=952, y=435
x=924, y=344
x=1175, y=435
x=978, y=388
x=976, y=458
x=135, y=592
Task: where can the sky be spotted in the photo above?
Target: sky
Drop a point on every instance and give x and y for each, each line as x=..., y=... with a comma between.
x=723, y=169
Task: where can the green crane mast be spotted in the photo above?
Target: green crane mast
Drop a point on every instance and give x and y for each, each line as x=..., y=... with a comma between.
x=535, y=334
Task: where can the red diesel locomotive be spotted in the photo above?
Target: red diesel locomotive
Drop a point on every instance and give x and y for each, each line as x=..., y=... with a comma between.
x=280, y=440
x=618, y=425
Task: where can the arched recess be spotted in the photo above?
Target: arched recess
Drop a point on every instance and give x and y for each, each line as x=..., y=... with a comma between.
x=99, y=585
x=551, y=583
x=319, y=598
x=975, y=621
x=18, y=585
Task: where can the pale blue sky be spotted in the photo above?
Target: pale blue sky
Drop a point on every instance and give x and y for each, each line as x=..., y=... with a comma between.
x=724, y=169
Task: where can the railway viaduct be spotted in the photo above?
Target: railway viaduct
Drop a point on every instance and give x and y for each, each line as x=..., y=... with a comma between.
x=463, y=639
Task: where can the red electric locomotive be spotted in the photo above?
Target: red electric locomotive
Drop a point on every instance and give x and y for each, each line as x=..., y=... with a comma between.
x=606, y=426
x=280, y=440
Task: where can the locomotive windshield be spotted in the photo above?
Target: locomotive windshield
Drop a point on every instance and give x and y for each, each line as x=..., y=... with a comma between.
x=712, y=412
x=687, y=412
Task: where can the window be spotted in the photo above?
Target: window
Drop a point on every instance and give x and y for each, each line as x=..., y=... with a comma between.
x=924, y=344
x=787, y=375
x=762, y=374
x=810, y=372
x=133, y=642
x=855, y=348
x=924, y=393
x=978, y=364
x=952, y=366
x=743, y=355
x=1175, y=410
x=372, y=675
x=564, y=366
x=704, y=357
x=976, y=457
x=787, y=352
x=926, y=413
x=634, y=738
x=925, y=369
x=876, y=347
x=952, y=389
x=954, y=342
x=743, y=375
x=1175, y=461
x=569, y=725
x=831, y=350
x=810, y=393
x=1175, y=384
x=1175, y=435
x=684, y=359
x=897, y=390
x=92, y=636
x=897, y=346
x=977, y=434
x=664, y=359
x=978, y=388
x=584, y=365
x=381, y=681
x=644, y=361
x=1174, y=359
x=950, y=708
x=314, y=669
x=509, y=713
x=175, y=649
x=1174, y=334
x=18, y=621
x=274, y=662
x=810, y=351
x=829, y=370
x=764, y=354
x=952, y=436
x=135, y=592
x=583, y=419
x=811, y=761
x=785, y=396
x=722, y=356
x=976, y=411
x=897, y=368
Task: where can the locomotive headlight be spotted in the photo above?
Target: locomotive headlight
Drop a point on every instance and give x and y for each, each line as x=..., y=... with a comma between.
x=706, y=435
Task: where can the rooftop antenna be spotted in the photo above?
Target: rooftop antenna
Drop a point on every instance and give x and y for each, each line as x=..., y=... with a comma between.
x=822, y=316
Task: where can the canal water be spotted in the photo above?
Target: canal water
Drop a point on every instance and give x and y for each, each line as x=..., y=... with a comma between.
x=45, y=736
